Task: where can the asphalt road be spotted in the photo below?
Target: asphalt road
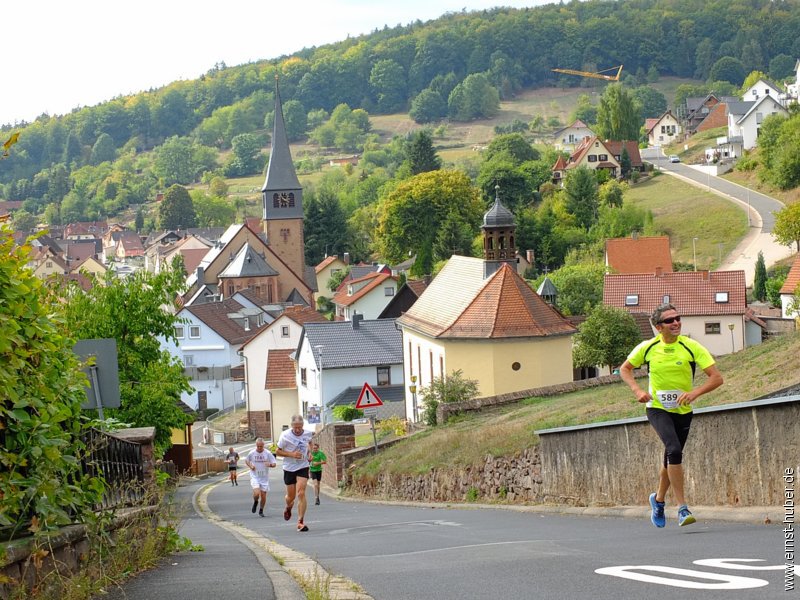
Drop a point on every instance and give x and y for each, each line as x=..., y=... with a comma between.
x=401, y=552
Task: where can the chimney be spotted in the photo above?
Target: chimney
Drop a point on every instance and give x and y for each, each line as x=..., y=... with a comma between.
x=659, y=271
x=530, y=256
x=705, y=275
x=201, y=276
x=346, y=258
x=357, y=318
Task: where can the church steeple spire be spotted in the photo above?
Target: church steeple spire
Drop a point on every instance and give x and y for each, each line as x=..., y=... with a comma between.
x=498, y=236
x=281, y=188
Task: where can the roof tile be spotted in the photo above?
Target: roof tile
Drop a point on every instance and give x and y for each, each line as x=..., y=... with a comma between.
x=280, y=370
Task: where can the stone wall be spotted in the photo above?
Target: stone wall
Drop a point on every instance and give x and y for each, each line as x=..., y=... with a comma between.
x=736, y=456
x=516, y=478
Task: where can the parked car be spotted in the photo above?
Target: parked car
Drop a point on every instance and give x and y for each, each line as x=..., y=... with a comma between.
x=674, y=158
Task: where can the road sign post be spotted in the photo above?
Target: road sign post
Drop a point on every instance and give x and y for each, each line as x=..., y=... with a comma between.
x=369, y=401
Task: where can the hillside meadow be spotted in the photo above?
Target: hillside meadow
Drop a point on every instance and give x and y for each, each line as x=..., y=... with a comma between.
x=467, y=439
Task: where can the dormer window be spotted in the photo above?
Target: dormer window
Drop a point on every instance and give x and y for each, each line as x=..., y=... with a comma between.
x=632, y=300
x=721, y=297
x=349, y=290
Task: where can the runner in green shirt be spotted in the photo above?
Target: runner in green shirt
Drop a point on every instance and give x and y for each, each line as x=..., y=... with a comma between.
x=671, y=359
x=318, y=459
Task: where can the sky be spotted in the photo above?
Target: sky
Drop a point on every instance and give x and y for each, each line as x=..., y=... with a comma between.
x=60, y=55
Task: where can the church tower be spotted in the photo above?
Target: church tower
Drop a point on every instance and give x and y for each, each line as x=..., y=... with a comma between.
x=282, y=198
x=498, y=237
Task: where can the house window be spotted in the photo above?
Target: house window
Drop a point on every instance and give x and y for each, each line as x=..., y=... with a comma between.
x=632, y=300
x=388, y=291
x=303, y=377
x=384, y=376
x=410, y=360
x=592, y=158
x=285, y=331
x=603, y=157
x=441, y=366
x=188, y=360
x=721, y=297
x=759, y=118
x=712, y=328
x=49, y=264
x=194, y=332
x=179, y=332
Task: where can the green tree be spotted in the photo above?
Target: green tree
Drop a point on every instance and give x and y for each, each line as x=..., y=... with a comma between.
x=133, y=311
x=103, y=150
x=388, y=82
x=176, y=210
x=513, y=146
x=139, y=220
x=760, y=280
x=173, y=161
x=751, y=80
x=211, y=211
x=246, y=158
x=581, y=192
x=618, y=115
x=611, y=193
x=781, y=67
x=41, y=483
x=218, y=187
x=580, y=287
x=585, y=110
x=605, y=338
x=421, y=155
x=428, y=106
x=728, y=69
x=652, y=103
x=450, y=389
x=413, y=212
x=473, y=98
x=787, y=225
x=295, y=120
x=454, y=237
x=24, y=221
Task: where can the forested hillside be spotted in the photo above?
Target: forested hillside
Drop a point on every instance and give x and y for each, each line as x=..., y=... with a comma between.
x=99, y=161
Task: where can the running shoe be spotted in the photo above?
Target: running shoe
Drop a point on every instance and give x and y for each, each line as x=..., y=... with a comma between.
x=657, y=517
x=287, y=513
x=685, y=517
x=255, y=506
x=302, y=527
x=261, y=513
x=316, y=502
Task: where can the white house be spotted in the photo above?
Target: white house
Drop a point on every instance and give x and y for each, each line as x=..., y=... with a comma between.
x=569, y=137
x=367, y=296
x=793, y=90
x=207, y=344
x=337, y=355
x=762, y=88
x=790, y=285
x=744, y=121
x=271, y=395
x=663, y=130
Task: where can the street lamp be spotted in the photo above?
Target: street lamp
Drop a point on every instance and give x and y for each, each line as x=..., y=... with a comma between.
x=319, y=348
x=413, y=389
x=733, y=346
x=694, y=253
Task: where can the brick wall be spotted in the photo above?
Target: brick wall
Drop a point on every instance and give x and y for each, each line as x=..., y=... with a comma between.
x=333, y=440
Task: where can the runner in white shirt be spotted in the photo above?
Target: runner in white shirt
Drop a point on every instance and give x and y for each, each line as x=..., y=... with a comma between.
x=294, y=446
x=259, y=462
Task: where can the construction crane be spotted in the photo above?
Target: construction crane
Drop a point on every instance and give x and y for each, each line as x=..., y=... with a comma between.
x=598, y=75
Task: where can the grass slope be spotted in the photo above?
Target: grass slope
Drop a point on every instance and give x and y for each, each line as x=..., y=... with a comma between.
x=468, y=439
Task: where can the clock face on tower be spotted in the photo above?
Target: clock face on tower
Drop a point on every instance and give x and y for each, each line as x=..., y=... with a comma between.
x=283, y=200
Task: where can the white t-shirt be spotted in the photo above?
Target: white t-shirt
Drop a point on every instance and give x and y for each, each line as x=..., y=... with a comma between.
x=289, y=442
x=261, y=461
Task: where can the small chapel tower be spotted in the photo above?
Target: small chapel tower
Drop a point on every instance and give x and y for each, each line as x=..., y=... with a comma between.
x=498, y=237
x=282, y=198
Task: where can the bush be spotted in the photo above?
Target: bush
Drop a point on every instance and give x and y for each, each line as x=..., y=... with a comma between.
x=347, y=413
x=454, y=388
x=393, y=425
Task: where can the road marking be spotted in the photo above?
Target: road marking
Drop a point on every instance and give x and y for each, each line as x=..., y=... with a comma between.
x=559, y=551
x=727, y=563
x=725, y=582
x=400, y=524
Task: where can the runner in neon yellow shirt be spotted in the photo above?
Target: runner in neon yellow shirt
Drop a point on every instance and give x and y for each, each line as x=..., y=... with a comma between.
x=671, y=359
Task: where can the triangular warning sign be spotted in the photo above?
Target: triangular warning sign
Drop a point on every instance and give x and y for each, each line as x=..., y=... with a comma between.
x=368, y=398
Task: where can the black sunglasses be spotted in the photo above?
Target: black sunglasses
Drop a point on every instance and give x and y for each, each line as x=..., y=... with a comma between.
x=669, y=321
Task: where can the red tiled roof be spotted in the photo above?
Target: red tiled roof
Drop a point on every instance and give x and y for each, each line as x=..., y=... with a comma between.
x=342, y=299
x=508, y=307
x=303, y=314
x=650, y=123
x=615, y=148
x=280, y=370
x=639, y=255
x=561, y=164
x=192, y=257
x=417, y=286
x=692, y=293
x=325, y=263
x=792, y=278
x=717, y=117
x=215, y=315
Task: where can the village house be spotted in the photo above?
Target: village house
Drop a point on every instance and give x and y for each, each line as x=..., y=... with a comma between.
x=663, y=130
x=330, y=266
x=569, y=137
x=790, y=292
x=367, y=295
x=481, y=318
x=595, y=154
